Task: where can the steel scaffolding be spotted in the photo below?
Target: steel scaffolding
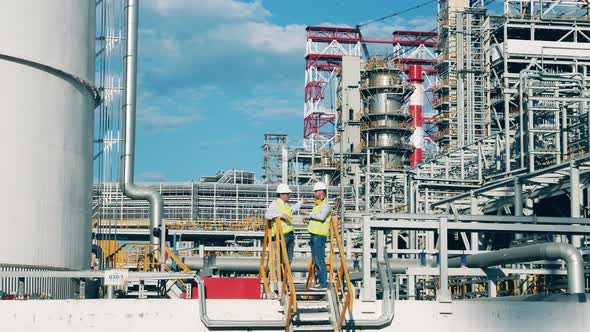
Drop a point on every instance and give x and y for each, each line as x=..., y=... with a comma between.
x=549, y=37
x=208, y=201
x=461, y=98
x=110, y=49
x=275, y=158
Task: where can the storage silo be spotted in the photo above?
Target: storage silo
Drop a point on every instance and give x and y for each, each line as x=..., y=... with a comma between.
x=47, y=66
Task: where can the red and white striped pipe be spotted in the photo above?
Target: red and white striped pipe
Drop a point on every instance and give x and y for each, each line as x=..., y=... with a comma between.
x=416, y=103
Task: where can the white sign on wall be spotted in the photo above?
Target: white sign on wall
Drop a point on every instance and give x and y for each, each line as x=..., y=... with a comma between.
x=116, y=277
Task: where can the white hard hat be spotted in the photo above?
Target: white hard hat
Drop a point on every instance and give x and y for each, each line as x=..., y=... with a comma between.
x=283, y=189
x=319, y=186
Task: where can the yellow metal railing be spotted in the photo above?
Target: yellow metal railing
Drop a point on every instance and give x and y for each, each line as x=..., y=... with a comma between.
x=340, y=279
x=274, y=263
x=145, y=257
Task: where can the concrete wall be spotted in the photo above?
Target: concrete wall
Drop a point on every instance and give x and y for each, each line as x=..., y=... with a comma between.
x=163, y=315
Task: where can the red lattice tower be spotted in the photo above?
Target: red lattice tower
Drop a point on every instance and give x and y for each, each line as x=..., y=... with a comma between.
x=323, y=58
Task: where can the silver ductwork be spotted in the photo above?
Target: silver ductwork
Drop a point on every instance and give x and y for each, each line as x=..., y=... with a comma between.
x=544, y=251
x=128, y=186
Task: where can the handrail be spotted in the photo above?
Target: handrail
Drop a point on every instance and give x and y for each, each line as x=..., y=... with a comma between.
x=278, y=263
x=212, y=324
x=384, y=270
x=341, y=279
x=267, y=279
x=150, y=261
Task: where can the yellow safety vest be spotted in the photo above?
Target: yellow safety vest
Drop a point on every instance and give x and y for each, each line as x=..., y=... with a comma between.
x=320, y=227
x=285, y=209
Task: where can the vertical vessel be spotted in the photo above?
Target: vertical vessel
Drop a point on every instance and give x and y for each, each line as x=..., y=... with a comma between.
x=47, y=61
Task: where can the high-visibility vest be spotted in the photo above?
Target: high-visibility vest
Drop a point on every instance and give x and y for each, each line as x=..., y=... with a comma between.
x=285, y=209
x=320, y=227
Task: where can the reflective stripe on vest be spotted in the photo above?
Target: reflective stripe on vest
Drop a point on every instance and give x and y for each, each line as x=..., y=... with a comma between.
x=285, y=209
x=320, y=227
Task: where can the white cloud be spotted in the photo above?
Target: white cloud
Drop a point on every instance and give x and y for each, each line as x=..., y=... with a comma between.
x=423, y=23
x=156, y=118
x=228, y=9
x=161, y=43
x=151, y=176
x=263, y=36
x=157, y=112
x=268, y=107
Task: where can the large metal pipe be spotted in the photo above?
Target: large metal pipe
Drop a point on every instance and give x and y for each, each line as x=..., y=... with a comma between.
x=544, y=251
x=518, y=202
x=252, y=264
x=128, y=186
x=387, y=303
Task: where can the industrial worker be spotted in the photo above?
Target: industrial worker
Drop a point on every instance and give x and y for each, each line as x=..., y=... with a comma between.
x=280, y=208
x=319, y=220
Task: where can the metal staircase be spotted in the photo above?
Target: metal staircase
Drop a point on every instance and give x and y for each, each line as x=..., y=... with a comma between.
x=305, y=309
x=314, y=312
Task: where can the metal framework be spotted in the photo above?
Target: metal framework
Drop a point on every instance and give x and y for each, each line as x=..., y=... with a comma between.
x=205, y=201
x=275, y=163
x=461, y=98
x=386, y=226
x=110, y=50
x=323, y=57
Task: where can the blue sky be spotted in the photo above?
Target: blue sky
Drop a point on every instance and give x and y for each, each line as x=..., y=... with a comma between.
x=215, y=75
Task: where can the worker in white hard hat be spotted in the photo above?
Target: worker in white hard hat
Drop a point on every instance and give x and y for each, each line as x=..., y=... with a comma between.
x=319, y=220
x=280, y=208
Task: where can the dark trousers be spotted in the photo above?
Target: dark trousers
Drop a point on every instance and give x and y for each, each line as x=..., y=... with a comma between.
x=290, y=244
x=318, y=257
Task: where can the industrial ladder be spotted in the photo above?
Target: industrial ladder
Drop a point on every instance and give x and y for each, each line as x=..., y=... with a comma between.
x=305, y=309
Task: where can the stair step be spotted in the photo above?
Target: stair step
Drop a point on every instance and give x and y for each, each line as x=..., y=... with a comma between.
x=312, y=310
x=327, y=327
x=145, y=293
x=310, y=292
x=313, y=318
x=309, y=310
x=312, y=304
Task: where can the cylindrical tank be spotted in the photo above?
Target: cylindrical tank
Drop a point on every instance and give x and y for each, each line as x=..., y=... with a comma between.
x=385, y=103
x=47, y=61
x=385, y=77
x=385, y=123
x=383, y=139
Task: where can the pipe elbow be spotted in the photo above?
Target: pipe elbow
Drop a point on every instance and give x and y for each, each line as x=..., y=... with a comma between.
x=574, y=264
x=564, y=251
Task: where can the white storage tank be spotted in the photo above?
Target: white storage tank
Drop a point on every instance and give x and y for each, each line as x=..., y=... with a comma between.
x=47, y=68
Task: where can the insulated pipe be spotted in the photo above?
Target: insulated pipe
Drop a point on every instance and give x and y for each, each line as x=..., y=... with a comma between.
x=252, y=264
x=387, y=303
x=518, y=202
x=129, y=188
x=544, y=251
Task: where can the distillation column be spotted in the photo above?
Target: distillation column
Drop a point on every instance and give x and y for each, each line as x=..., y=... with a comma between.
x=385, y=124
